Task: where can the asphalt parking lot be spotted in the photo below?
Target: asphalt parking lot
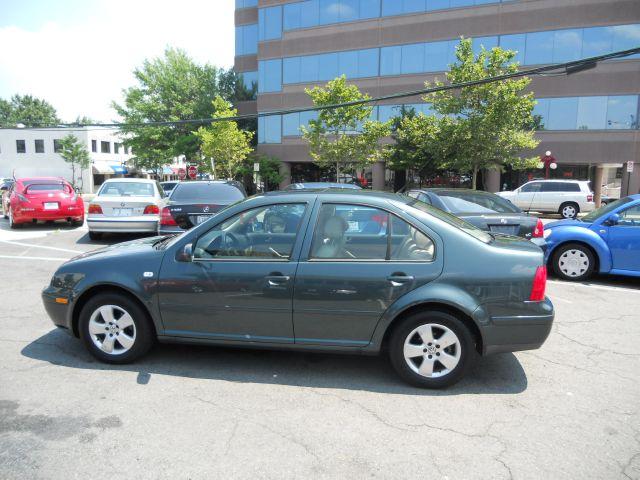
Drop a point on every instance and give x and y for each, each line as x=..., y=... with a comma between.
x=568, y=410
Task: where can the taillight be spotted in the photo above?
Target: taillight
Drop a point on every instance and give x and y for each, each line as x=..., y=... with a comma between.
x=538, y=232
x=95, y=208
x=539, y=284
x=166, y=218
x=151, y=210
x=589, y=198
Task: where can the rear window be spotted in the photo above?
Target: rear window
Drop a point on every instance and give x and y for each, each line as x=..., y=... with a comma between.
x=470, y=202
x=446, y=217
x=126, y=189
x=206, y=193
x=46, y=187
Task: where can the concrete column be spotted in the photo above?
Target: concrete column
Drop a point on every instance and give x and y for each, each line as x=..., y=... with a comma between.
x=634, y=179
x=285, y=171
x=377, y=174
x=492, y=180
x=597, y=185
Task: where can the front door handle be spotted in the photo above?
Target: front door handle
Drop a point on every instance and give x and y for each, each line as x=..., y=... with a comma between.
x=398, y=280
x=277, y=280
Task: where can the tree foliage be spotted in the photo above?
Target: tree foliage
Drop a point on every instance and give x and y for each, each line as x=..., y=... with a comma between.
x=224, y=142
x=28, y=111
x=75, y=153
x=170, y=88
x=269, y=170
x=487, y=126
x=346, y=136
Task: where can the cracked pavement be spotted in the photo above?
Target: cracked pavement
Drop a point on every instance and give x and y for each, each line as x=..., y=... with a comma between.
x=568, y=410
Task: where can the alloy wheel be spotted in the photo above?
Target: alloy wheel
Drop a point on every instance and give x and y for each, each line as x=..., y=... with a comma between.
x=112, y=329
x=573, y=263
x=569, y=211
x=432, y=350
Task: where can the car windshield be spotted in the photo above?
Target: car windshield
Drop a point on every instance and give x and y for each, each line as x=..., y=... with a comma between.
x=126, y=189
x=605, y=209
x=45, y=187
x=472, y=202
x=221, y=193
x=446, y=217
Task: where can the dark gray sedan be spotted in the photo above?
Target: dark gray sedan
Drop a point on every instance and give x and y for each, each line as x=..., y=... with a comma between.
x=485, y=210
x=341, y=271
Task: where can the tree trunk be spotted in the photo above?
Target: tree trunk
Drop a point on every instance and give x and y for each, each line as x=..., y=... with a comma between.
x=337, y=172
x=474, y=179
x=73, y=175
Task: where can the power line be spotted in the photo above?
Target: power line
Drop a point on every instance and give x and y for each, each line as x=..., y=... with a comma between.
x=571, y=67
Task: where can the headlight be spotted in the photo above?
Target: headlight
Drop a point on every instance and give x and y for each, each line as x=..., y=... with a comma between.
x=547, y=232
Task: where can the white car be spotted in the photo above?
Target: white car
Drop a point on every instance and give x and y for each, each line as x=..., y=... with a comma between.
x=126, y=205
x=566, y=197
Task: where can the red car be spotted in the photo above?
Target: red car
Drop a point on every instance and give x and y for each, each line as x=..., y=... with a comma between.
x=45, y=199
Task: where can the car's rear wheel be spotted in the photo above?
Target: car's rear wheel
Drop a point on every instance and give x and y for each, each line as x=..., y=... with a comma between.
x=431, y=349
x=115, y=329
x=569, y=210
x=574, y=262
x=12, y=223
x=95, y=235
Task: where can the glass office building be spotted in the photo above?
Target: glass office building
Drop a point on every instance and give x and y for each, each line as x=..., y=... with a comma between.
x=589, y=120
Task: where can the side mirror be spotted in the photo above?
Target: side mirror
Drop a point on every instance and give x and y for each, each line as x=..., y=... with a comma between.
x=612, y=219
x=186, y=254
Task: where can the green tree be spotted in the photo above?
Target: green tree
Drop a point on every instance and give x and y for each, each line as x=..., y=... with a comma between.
x=28, y=111
x=75, y=153
x=269, y=170
x=487, y=126
x=224, y=143
x=83, y=120
x=345, y=136
x=170, y=88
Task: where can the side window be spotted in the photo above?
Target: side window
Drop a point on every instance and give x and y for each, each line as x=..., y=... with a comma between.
x=570, y=187
x=423, y=198
x=354, y=232
x=267, y=232
x=630, y=217
x=550, y=187
x=531, y=187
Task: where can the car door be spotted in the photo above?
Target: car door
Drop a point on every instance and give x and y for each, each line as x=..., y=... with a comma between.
x=239, y=284
x=357, y=260
x=526, y=195
x=624, y=240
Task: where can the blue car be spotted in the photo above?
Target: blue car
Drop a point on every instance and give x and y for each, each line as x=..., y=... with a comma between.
x=607, y=240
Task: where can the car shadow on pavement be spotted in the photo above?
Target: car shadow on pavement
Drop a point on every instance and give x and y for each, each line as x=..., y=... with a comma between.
x=110, y=239
x=497, y=374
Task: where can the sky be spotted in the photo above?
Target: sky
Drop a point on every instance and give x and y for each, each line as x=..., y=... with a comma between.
x=79, y=54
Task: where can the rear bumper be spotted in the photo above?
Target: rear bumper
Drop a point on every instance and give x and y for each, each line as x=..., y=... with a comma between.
x=147, y=224
x=527, y=330
x=48, y=215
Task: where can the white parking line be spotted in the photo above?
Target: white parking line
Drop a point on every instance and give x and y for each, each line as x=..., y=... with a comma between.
x=598, y=287
x=21, y=244
x=17, y=257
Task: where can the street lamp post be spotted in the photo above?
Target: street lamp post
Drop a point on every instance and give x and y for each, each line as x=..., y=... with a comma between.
x=548, y=162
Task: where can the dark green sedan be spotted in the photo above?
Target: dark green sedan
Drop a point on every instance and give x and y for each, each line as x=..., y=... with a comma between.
x=341, y=271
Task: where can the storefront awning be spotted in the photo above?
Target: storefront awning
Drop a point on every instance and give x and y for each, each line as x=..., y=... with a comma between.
x=107, y=168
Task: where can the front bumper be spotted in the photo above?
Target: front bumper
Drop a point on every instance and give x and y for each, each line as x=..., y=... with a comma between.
x=525, y=329
x=58, y=312
x=146, y=224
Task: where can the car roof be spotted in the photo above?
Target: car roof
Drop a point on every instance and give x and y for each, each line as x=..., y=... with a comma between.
x=437, y=190
x=361, y=195
x=41, y=179
x=550, y=180
x=129, y=180
x=310, y=185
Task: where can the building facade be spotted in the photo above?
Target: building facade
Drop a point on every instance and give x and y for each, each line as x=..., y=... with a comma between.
x=35, y=153
x=589, y=120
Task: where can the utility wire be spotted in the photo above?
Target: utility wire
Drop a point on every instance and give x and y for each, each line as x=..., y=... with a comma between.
x=569, y=68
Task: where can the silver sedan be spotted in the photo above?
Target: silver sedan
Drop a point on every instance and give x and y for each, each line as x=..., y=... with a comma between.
x=126, y=205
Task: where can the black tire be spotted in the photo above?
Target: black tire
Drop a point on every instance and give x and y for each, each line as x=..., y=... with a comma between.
x=397, y=342
x=95, y=235
x=11, y=222
x=144, y=331
x=579, y=253
x=569, y=210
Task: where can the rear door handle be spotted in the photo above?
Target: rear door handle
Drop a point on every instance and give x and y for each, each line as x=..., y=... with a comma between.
x=276, y=280
x=398, y=280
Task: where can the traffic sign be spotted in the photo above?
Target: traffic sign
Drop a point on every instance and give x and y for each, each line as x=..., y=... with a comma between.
x=630, y=166
x=193, y=172
x=182, y=173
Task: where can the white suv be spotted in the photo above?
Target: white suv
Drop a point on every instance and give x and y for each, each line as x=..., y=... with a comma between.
x=566, y=197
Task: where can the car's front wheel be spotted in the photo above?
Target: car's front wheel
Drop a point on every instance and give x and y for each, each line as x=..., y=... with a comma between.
x=431, y=349
x=12, y=223
x=115, y=329
x=574, y=262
